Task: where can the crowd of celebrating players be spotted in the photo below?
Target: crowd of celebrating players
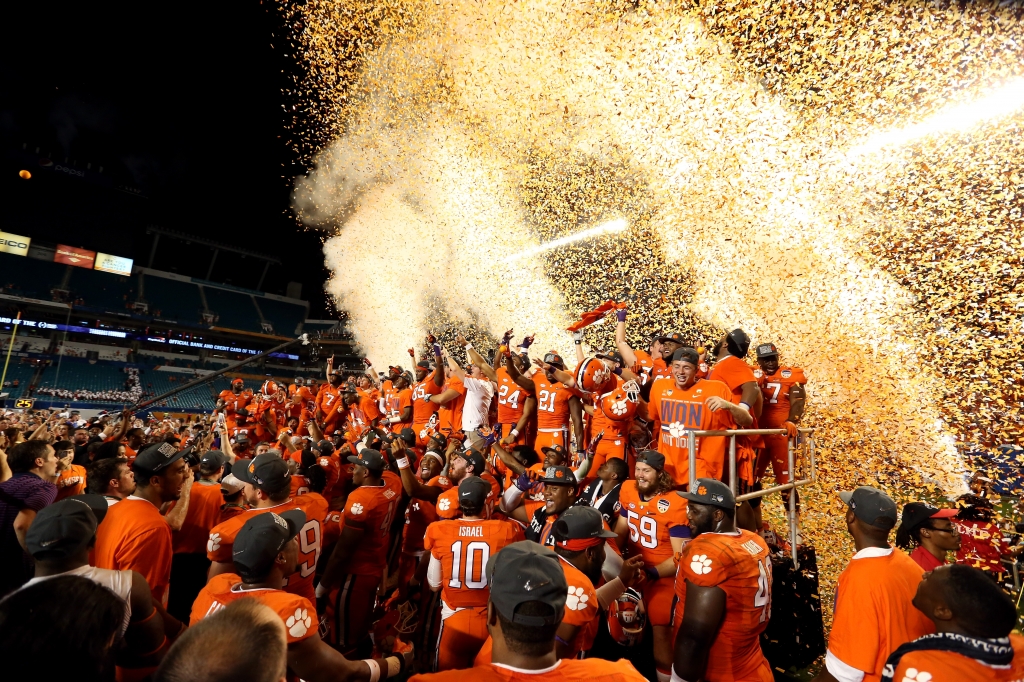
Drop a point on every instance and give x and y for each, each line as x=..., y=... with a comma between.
x=505, y=511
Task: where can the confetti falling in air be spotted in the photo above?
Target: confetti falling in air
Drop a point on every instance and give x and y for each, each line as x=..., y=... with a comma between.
x=444, y=137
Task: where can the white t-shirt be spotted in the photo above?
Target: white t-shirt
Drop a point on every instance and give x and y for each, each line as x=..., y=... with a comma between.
x=118, y=582
x=478, y=403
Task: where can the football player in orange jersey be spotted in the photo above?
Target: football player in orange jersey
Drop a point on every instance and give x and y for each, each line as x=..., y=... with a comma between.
x=652, y=524
x=557, y=404
x=265, y=554
x=399, y=403
x=302, y=404
x=723, y=593
x=733, y=371
x=234, y=402
x=526, y=607
x=418, y=515
x=612, y=415
x=782, y=390
x=267, y=487
x=356, y=566
x=690, y=404
x=459, y=552
x=973, y=620
x=330, y=411
x=422, y=408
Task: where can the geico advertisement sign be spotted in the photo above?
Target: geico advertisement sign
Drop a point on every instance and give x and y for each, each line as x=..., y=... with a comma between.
x=14, y=243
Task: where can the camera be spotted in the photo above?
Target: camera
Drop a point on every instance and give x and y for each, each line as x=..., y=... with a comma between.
x=192, y=457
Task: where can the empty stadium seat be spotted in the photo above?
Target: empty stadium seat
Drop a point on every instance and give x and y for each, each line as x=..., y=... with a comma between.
x=234, y=310
x=285, y=317
x=173, y=300
x=102, y=289
x=29, y=277
x=22, y=373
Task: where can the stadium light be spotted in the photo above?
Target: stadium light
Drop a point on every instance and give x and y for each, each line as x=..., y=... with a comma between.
x=610, y=227
x=1001, y=102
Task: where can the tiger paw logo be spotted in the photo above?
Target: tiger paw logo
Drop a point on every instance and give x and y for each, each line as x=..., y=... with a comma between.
x=701, y=490
x=298, y=624
x=676, y=429
x=619, y=408
x=700, y=564
x=444, y=504
x=356, y=508
x=576, y=601
x=913, y=675
x=213, y=544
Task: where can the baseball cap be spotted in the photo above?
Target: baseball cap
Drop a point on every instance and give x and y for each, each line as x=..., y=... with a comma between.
x=526, y=572
x=614, y=356
x=407, y=376
x=423, y=364
x=712, y=492
x=651, y=458
x=870, y=505
x=554, y=358
x=686, y=354
x=558, y=450
x=369, y=458
x=673, y=336
x=157, y=457
x=474, y=490
x=229, y=485
x=580, y=523
x=916, y=513
x=408, y=435
x=65, y=528
x=268, y=472
x=559, y=475
x=213, y=459
x=475, y=458
x=324, y=448
x=262, y=538
x=767, y=350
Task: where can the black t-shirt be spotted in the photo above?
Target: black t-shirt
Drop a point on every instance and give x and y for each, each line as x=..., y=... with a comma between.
x=608, y=504
x=541, y=527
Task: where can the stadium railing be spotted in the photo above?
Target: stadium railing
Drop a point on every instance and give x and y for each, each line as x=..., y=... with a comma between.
x=793, y=511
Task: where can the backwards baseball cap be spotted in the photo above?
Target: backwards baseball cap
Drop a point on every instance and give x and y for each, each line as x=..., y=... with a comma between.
x=916, y=513
x=475, y=458
x=229, y=485
x=673, y=336
x=559, y=475
x=64, y=528
x=371, y=459
x=262, y=537
x=213, y=459
x=423, y=364
x=871, y=506
x=558, y=450
x=651, y=458
x=157, y=457
x=408, y=436
x=711, y=492
x=580, y=527
x=767, y=350
x=268, y=472
x=473, y=491
x=527, y=572
x=686, y=354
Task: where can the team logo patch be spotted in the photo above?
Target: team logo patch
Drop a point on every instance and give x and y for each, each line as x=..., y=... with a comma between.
x=701, y=490
x=758, y=374
x=786, y=374
x=700, y=564
x=444, y=504
x=213, y=544
x=663, y=506
x=717, y=498
x=298, y=624
x=632, y=506
x=576, y=599
x=279, y=521
x=356, y=508
x=167, y=450
x=915, y=675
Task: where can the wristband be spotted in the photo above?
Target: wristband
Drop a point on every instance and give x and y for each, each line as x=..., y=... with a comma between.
x=620, y=314
x=468, y=347
x=394, y=665
x=374, y=669
x=437, y=349
x=578, y=343
x=617, y=371
x=402, y=462
x=321, y=591
x=652, y=573
x=514, y=433
x=745, y=406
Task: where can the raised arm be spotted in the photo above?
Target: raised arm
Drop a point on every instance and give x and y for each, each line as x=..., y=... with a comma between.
x=519, y=378
x=477, y=359
x=628, y=356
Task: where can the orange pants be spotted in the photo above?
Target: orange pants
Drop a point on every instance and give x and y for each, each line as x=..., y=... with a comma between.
x=658, y=597
x=521, y=439
x=549, y=439
x=776, y=451
x=349, y=612
x=607, y=449
x=462, y=635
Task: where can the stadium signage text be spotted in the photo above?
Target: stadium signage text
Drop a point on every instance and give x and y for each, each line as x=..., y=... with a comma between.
x=14, y=243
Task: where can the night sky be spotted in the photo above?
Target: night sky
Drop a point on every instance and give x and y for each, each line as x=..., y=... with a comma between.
x=181, y=106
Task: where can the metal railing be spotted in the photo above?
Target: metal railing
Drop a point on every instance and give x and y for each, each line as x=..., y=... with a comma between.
x=793, y=513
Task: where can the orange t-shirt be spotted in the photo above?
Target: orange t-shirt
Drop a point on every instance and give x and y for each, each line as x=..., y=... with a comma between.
x=740, y=565
x=581, y=608
x=947, y=666
x=464, y=548
x=71, y=482
x=566, y=670
x=422, y=410
x=511, y=397
x=676, y=411
x=733, y=372
x=222, y=539
x=552, y=402
x=297, y=612
x=450, y=415
x=874, y=614
x=134, y=536
x=775, y=391
x=652, y=523
x=372, y=509
x=204, y=503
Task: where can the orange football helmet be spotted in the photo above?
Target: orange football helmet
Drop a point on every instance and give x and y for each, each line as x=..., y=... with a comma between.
x=627, y=618
x=620, y=405
x=269, y=389
x=593, y=375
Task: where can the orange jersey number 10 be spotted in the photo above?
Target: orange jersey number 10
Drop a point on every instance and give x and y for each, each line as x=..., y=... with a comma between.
x=477, y=554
